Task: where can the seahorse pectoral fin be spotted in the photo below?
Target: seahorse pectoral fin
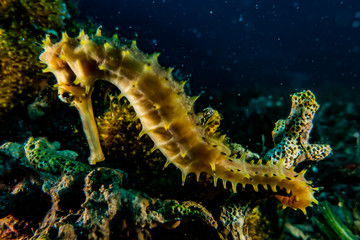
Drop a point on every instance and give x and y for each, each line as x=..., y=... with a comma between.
x=243, y=156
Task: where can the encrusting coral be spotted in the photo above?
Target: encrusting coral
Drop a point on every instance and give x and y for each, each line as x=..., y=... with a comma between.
x=241, y=222
x=167, y=116
x=107, y=209
x=63, y=177
x=45, y=157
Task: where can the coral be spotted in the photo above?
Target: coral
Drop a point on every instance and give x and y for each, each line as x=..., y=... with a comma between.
x=23, y=208
x=46, y=14
x=111, y=210
x=12, y=149
x=106, y=209
x=210, y=118
x=45, y=157
x=21, y=22
x=119, y=129
x=167, y=116
x=32, y=15
x=241, y=222
x=12, y=228
x=139, y=210
x=291, y=136
x=10, y=153
x=19, y=71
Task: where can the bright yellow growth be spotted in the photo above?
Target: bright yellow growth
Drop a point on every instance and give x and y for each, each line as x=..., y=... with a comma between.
x=22, y=21
x=119, y=129
x=210, y=119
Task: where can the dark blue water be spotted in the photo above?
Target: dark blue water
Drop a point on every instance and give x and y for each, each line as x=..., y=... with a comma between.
x=244, y=43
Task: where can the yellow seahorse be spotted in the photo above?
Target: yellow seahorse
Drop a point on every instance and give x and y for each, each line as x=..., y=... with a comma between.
x=165, y=111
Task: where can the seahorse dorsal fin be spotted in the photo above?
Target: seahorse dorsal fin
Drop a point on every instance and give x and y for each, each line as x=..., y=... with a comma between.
x=142, y=132
x=154, y=148
x=167, y=163
x=281, y=161
x=98, y=31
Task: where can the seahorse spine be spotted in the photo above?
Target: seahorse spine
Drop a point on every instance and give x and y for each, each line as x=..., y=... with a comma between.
x=165, y=111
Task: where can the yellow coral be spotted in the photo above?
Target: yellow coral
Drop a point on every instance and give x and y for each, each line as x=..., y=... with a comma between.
x=210, y=119
x=291, y=136
x=47, y=14
x=19, y=70
x=21, y=22
x=119, y=129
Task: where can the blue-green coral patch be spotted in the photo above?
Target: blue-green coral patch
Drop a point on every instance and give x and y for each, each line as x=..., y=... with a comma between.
x=44, y=157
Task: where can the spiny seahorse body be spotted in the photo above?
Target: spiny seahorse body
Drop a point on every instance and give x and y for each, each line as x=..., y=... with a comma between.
x=165, y=111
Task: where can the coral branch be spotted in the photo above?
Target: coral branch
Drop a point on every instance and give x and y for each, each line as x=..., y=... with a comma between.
x=291, y=136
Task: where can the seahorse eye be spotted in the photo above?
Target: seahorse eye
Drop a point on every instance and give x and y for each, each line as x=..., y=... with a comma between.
x=66, y=97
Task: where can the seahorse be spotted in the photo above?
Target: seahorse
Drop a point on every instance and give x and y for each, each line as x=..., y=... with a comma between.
x=165, y=112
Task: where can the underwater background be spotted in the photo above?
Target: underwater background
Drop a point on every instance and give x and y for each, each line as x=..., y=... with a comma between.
x=244, y=58
x=244, y=44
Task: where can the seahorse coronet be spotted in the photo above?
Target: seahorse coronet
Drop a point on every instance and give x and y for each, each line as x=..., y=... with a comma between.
x=165, y=112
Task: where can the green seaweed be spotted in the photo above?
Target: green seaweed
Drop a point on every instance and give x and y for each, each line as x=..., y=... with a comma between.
x=331, y=225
